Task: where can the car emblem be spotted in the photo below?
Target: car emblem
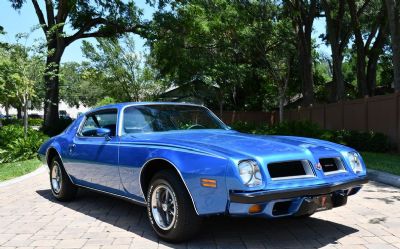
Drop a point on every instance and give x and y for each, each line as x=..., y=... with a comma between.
x=318, y=166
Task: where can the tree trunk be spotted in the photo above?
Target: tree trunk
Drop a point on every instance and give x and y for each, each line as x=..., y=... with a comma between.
x=19, y=112
x=304, y=15
x=338, y=79
x=281, y=106
x=334, y=25
x=361, y=64
x=373, y=57
x=7, y=108
x=25, y=115
x=306, y=66
x=394, y=25
x=52, y=94
x=51, y=79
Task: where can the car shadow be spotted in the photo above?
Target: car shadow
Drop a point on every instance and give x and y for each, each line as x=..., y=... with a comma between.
x=217, y=231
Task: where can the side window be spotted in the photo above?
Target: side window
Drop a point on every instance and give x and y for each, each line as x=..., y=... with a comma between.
x=102, y=119
x=137, y=120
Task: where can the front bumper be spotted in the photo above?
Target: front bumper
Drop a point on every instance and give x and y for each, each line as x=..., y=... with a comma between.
x=293, y=202
x=269, y=195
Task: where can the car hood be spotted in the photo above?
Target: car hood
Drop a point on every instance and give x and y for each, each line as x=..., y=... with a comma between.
x=236, y=144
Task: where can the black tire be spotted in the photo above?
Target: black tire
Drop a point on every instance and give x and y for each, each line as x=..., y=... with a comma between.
x=66, y=191
x=304, y=216
x=187, y=222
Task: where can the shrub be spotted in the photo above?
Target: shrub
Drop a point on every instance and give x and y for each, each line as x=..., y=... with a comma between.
x=363, y=141
x=367, y=141
x=14, y=121
x=14, y=147
x=11, y=121
x=248, y=127
x=298, y=128
x=35, y=122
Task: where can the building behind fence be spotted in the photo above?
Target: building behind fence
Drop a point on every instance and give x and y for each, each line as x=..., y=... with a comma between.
x=378, y=114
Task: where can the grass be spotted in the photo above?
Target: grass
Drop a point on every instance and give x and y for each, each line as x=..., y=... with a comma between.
x=385, y=162
x=12, y=170
x=380, y=161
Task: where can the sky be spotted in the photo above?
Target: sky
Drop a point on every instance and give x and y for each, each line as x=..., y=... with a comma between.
x=25, y=20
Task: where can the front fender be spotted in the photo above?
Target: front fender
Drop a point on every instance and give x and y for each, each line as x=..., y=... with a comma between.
x=192, y=167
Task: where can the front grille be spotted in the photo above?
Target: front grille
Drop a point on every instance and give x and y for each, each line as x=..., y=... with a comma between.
x=331, y=165
x=290, y=169
x=328, y=164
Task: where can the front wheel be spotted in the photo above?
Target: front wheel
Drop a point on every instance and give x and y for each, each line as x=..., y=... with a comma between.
x=170, y=209
x=61, y=186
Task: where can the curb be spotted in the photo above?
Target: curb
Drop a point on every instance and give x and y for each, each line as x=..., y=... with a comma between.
x=383, y=177
x=36, y=172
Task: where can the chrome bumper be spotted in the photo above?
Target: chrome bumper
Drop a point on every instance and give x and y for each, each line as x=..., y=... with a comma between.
x=265, y=196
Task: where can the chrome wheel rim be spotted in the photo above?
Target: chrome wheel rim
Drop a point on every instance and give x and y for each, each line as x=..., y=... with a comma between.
x=56, y=179
x=163, y=206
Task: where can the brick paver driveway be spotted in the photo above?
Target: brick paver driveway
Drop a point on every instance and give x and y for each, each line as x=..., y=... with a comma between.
x=31, y=218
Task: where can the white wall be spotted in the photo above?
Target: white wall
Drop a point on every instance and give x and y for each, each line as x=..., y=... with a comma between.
x=72, y=111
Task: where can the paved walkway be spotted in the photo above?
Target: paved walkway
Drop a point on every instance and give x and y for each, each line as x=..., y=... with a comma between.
x=30, y=218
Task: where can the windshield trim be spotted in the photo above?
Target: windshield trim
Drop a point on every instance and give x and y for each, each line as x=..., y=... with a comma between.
x=122, y=114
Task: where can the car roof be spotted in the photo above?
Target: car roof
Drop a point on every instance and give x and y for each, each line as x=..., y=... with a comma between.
x=122, y=105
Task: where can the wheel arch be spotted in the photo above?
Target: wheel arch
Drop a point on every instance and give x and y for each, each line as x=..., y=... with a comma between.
x=154, y=165
x=50, y=154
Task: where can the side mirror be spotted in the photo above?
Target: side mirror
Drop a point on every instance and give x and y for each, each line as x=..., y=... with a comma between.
x=103, y=132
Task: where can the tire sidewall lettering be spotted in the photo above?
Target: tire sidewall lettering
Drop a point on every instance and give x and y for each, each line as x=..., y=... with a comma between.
x=149, y=213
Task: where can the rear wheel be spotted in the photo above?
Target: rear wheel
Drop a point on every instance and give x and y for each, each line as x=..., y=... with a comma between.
x=61, y=186
x=170, y=209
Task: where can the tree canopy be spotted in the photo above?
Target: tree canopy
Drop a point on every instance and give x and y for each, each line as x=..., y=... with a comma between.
x=255, y=55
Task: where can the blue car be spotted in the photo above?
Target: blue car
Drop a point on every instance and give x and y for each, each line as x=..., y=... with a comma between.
x=183, y=163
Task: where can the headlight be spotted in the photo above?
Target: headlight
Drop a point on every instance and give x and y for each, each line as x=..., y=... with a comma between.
x=250, y=173
x=355, y=162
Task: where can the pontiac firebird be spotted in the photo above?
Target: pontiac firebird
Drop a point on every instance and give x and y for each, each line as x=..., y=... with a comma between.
x=183, y=163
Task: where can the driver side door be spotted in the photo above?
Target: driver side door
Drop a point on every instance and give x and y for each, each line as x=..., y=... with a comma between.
x=95, y=157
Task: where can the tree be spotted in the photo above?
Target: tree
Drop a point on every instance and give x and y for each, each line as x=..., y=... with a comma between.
x=221, y=43
x=19, y=73
x=374, y=40
x=393, y=12
x=303, y=14
x=338, y=34
x=124, y=75
x=101, y=18
x=280, y=63
x=80, y=84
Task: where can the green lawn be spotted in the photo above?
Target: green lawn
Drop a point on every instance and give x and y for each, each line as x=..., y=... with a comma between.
x=384, y=162
x=12, y=170
x=379, y=161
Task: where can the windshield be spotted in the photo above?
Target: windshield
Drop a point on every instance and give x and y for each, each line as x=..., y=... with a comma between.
x=156, y=118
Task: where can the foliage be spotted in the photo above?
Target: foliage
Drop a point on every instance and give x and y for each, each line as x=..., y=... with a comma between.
x=12, y=170
x=35, y=122
x=80, y=84
x=14, y=121
x=363, y=141
x=234, y=46
x=84, y=19
x=20, y=74
x=124, y=76
x=14, y=147
x=106, y=101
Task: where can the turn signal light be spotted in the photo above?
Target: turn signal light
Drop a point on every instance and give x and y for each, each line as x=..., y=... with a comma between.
x=255, y=209
x=209, y=183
